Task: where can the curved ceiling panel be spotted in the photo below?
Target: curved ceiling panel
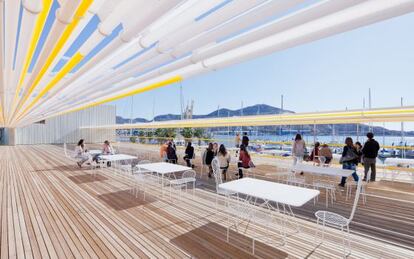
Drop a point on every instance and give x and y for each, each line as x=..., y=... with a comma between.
x=62, y=56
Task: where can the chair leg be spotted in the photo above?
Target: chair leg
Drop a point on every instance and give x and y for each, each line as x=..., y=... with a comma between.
x=349, y=239
x=193, y=189
x=343, y=240
x=364, y=196
x=323, y=230
x=315, y=240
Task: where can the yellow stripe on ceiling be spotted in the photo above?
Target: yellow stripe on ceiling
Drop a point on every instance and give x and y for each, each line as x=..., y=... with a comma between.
x=40, y=22
x=168, y=81
x=379, y=115
x=63, y=72
x=80, y=12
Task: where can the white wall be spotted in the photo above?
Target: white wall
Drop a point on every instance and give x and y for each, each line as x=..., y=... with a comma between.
x=65, y=128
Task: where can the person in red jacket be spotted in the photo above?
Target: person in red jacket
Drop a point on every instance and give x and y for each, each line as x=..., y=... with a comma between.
x=314, y=156
x=244, y=160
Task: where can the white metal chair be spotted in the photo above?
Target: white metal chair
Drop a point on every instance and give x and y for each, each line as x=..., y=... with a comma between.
x=219, y=180
x=69, y=154
x=239, y=210
x=351, y=185
x=137, y=169
x=330, y=190
x=294, y=179
x=329, y=186
x=143, y=178
x=188, y=177
x=328, y=218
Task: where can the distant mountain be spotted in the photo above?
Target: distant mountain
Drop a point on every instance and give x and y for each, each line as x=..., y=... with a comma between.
x=262, y=109
x=258, y=109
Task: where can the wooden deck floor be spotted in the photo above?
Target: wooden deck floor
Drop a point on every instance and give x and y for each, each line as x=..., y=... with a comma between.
x=52, y=209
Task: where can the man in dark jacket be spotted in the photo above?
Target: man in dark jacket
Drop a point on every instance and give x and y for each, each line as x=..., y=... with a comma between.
x=370, y=153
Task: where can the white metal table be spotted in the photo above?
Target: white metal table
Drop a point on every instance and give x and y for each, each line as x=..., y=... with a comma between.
x=404, y=163
x=321, y=170
x=271, y=191
x=95, y=152
x=163, y=168
x=268, y=192
x=117, y=157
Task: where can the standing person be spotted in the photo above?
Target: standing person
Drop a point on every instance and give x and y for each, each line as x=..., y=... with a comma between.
x=81, y=153
x=189, y=154
x=245, y=140
x=349, y=160
x=314, y=156
x=244, y=160
x=298, y=149
x=224, y=160
x=208, y=156
x=237, y=140
x=171, y=154
x=370, y=153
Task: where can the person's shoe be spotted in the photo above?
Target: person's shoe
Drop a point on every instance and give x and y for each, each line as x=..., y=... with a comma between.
x=301, y=173
x=341, y=185
x=209, y=175
x=365, y=179
x=79, y=164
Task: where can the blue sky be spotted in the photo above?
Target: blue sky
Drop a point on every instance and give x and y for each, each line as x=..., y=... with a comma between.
x=328, y=74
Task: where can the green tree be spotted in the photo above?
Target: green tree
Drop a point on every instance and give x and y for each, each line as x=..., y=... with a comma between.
x=133, y=139
x=198, y=133
x=187, y=133
x=149, y=135
x=141, y=135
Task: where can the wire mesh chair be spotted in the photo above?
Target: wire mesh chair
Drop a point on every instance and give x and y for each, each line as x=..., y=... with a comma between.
x=294, y=179
x=188, y=177
x=328, y=218
x=352, y=185
x=215, y=164
x=239, y=210
x=327, y=185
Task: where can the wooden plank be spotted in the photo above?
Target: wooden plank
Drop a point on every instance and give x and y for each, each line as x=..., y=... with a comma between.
x=47, y=214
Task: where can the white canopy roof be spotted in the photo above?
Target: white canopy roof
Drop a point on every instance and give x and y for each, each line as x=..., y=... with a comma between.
x=58, y=58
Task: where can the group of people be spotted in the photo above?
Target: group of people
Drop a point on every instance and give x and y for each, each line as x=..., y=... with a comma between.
x=352, y=155
x=244, y=140
x=168, y=152
x=83, y=155
x=213, y=150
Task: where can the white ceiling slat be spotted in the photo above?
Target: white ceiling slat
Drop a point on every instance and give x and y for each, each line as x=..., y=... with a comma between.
x=178, y=39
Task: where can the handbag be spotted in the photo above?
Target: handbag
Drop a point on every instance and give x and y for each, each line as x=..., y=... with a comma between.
x=349, y=156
